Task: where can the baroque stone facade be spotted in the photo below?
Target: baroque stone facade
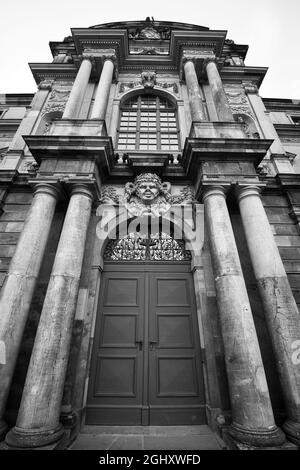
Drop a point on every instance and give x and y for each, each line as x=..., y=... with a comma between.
x=149, y=237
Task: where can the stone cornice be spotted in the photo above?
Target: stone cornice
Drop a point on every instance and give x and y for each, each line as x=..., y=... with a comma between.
x=16, y=99
x=282, y=105
x=198, y=150
x=288, y=131
x=288, y=180
x=52, y=71
x=241, y=74
x=9, y=125
x=77, y=148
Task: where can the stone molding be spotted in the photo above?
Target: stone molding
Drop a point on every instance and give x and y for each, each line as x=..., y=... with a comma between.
x=46, y=84
x=250, y=88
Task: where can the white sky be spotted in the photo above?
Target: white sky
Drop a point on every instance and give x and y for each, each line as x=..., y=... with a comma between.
x=269, y=27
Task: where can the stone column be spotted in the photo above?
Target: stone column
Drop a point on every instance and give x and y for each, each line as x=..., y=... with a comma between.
x=38, y=419
x=252, y=415
x=78, y=90
x=195, y=98
x=281, y=311
x=102, y=94
x=219, y=96
x=18, y=289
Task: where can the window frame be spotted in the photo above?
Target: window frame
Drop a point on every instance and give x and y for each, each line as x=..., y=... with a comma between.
x=158, y=130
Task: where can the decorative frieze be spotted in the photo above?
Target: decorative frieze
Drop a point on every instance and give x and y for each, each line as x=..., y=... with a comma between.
x=147, y=194
x=58, y=98
x=238, y=101
x=141, y=247
x=172, y=87
x=150, y=32
x=149, y=50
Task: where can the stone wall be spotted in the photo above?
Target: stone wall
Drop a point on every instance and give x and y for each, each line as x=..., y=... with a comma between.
x=287, y=237
x=15, y=208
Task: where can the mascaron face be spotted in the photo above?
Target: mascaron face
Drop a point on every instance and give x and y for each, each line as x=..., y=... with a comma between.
x=147, y=192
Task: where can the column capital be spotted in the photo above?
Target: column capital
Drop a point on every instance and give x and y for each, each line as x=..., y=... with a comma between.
x=83, y=189
x=98, y=57
x=87, y=56
x=94, y=55
x=208, y=60
x=214, y=190
x=53, y=189
x=191, y=55
x=247, y=190
x=194, y=56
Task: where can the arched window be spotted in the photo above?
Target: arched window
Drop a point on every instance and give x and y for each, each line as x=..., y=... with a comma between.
x=148, y=122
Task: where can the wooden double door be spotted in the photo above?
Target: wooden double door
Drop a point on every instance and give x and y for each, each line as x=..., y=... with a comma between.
x=146, y=366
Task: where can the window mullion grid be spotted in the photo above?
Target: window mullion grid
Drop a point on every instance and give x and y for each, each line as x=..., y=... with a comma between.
x=158, y=146
x=138, y=123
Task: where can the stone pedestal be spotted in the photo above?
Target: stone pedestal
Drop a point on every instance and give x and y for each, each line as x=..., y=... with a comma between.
x=17, y=292
x=252, y=415
x=78, y=90
x=281, y=311
x=219, y=96
x=38, y=419
x=195, y=98
x=102, y=94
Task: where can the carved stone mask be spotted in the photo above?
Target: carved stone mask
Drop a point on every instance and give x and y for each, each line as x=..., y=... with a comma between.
x=147, y=191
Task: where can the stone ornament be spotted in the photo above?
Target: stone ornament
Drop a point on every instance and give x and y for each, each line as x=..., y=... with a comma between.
x=58, y=98
x=238, y=101
x=148, y=79
x=147, y=195
x=150, y=32
x=125, y=86
x=45, y=84
x=250, y=88
x=142, y=247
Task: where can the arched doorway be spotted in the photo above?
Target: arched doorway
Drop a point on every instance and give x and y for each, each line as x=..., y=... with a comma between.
x=146, y=365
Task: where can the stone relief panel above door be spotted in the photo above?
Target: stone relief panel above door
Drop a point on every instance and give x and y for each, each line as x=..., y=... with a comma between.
x=147, y=195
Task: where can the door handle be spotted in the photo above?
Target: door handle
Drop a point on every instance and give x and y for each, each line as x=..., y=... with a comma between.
x=140, y=344
x=151, y=344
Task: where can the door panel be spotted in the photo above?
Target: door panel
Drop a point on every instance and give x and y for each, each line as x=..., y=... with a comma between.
x=146, y=366
x=116, y=380
x=176, y=391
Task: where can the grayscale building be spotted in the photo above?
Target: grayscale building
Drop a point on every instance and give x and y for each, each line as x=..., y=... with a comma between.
x=149, y=241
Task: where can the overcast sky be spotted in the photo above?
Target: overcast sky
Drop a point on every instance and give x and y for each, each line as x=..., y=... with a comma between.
x=269, y=27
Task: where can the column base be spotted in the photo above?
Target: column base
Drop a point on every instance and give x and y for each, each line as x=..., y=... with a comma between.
x=30, y=438
x=3, y=429
x=68, y=418
x=292, y=431
x=257, y=438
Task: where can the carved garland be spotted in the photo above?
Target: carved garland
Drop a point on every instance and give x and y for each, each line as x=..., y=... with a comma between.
x=125, y=86
x=238, y=101
x=58, y=98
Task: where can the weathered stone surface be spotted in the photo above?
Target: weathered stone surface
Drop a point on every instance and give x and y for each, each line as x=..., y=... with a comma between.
x=279, y=304
x=38, y=418
x=219, y=96
x=195, y=98
x=20, y=282
x=79, y=87
x=253, y=420
x=102, y=93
